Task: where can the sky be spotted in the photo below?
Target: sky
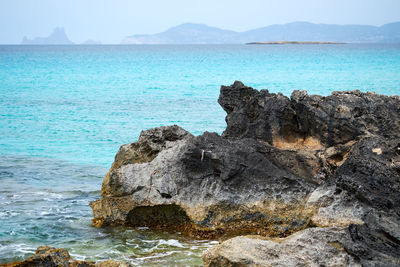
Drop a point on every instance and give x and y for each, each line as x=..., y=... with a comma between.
x=111, y=21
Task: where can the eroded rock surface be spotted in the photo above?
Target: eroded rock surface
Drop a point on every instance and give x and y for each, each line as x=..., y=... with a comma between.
x=310, y=247
x=282, y=165
x=206, y=186
x=58, y=257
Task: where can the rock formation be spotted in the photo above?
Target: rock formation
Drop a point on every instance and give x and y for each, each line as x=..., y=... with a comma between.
x=308, y=168
x=58, y=257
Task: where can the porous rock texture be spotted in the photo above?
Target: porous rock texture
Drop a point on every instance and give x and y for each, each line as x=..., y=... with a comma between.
x=58, y=257
x=306, y=168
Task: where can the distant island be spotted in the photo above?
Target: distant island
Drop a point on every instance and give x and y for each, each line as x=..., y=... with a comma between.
x=57, y=37
x=290, y=42
x=191, y=33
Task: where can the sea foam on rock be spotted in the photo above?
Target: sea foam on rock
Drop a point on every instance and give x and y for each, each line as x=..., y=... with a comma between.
x=293, y=168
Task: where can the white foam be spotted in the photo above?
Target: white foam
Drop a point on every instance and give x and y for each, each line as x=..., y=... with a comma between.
x=142, y=228
x=170, y=242
x=49, y=195
x=22, y=248
x=8, y=214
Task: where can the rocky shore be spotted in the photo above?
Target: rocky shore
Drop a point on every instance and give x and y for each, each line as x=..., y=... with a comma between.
x=313, y=180
x=302, y=181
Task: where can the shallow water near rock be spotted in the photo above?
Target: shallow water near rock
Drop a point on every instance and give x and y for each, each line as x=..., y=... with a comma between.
x=45, y=201
x=65, y=110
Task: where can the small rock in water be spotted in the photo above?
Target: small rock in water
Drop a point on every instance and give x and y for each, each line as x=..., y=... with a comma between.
x=49, y=256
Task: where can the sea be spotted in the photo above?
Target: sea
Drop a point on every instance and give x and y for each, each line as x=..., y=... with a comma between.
x=65, y=111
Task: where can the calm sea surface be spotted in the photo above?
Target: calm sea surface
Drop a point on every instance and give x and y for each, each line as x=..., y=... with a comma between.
x=65, y=110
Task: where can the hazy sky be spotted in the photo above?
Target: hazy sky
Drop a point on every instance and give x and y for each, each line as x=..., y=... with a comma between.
x=111, y=21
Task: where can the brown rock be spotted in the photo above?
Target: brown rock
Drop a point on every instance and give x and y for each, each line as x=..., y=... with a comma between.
x=58, y=257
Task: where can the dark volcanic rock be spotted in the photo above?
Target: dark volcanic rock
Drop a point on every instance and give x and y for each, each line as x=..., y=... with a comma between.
x=332, y=120
x=282, y=165
x=371, y=173
x=376, y=242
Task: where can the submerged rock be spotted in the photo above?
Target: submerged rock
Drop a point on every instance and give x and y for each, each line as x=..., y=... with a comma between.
x=58, y=257
x=281, y=166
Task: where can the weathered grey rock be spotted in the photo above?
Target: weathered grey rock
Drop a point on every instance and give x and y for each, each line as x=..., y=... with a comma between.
x=282, y=165
x=309, y=247
x=207, y=185
x=150, y=143
x=58, y=257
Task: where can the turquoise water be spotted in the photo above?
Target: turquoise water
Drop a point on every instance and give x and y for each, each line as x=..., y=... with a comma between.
x=65, y=110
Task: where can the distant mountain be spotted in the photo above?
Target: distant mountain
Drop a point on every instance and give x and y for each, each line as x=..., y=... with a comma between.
x=58, y=37
x=187, y=33
x=190, y=33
